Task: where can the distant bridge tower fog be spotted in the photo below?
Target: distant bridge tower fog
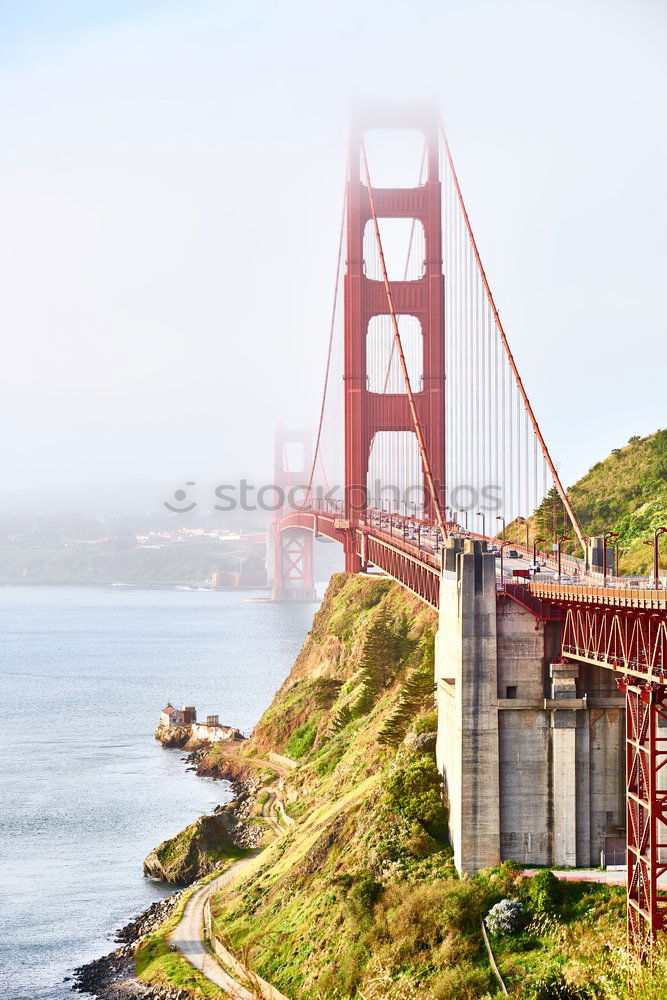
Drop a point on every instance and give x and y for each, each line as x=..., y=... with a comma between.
x=290, y=549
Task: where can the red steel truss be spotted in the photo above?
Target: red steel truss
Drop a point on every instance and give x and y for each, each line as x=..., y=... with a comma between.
x=646, y=756
x=626, y=640
x=626, y=631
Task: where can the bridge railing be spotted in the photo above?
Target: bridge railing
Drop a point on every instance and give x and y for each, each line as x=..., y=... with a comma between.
x=611, y=596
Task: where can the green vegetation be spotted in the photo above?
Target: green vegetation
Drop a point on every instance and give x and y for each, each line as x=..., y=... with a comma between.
x=302, y=739
x=625, y=493
x=414, y=790
x=413, y=693
x=360, y=898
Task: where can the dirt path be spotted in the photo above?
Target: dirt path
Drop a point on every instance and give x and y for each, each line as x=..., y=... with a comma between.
x=188, y=936
x=270, y=812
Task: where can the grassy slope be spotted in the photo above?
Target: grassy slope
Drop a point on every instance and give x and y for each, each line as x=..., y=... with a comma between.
x=626, y=493
x=360, y=898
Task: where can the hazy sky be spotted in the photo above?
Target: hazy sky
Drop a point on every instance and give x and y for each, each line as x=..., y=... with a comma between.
x=170, y=185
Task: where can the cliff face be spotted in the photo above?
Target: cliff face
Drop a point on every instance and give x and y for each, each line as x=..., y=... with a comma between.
x=192, y=853
x=332, y=654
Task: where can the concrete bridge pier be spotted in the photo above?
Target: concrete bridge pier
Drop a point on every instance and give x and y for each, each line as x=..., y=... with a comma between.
x=531, y=749
x=466, y=664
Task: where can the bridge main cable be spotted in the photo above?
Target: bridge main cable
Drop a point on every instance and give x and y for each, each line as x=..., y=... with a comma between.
x=426, y=462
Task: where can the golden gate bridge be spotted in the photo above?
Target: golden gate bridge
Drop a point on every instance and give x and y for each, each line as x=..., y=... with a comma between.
x=426, y=424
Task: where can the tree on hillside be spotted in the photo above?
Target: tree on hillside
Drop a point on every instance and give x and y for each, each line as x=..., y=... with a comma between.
x=416, y=693
x=378, y=649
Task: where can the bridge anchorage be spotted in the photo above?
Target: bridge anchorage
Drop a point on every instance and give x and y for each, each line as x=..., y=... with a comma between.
x=426, y=422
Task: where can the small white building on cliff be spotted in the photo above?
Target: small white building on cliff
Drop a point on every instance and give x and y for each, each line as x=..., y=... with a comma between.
x=170, y=716
x=210, y=731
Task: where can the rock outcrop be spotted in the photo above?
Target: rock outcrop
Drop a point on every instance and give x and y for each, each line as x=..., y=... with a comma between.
x=192, y=853
x=173, y=736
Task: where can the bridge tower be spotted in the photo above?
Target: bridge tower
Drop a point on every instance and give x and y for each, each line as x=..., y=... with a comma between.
x=367, y=412
x=291, y=548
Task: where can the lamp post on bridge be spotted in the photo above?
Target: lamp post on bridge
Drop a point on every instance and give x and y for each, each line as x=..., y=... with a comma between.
x=539, y=539
x=523, y=520
x=502, y=562
x=499, y=517
x=483, y=517
x=564, y=538
x=654, y=542
x=606, y=535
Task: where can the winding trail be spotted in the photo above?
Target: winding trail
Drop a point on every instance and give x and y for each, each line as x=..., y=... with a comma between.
x=188, y=937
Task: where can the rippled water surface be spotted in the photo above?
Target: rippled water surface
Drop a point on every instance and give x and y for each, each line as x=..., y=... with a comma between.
x=85, y=790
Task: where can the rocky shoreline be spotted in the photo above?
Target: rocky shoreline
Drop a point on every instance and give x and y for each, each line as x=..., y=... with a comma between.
x=112, y=977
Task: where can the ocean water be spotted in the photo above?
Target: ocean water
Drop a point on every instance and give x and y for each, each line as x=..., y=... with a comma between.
x=85, y=790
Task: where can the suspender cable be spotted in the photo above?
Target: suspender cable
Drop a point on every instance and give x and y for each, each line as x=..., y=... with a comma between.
x=545, y=451
x=331, y=336
x=426, y=462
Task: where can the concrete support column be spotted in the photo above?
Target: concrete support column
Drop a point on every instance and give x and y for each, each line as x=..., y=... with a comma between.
x=467, y=699
x=564, y=778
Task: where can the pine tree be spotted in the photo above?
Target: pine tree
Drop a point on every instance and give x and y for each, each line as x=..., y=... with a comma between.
x=416, y=689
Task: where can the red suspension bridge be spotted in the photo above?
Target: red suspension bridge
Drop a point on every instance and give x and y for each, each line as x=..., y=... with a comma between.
x=426, y=424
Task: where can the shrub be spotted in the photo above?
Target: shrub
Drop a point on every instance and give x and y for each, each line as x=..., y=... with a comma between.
x=361, y=898
x=464, y=981
x=420, y=917
x=365, y=892
x=556, y=987
x=414, y=791
x=508, y=879
x=506, y=917
x=543, y=892
x=302, y=740
x=427, y=723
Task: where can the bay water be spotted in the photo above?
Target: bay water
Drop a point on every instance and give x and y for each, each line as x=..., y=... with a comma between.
x=85, y=789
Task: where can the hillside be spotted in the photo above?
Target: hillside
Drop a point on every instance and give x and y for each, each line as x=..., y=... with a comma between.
x=625, y=493
x=359, y=897
x=187, y=562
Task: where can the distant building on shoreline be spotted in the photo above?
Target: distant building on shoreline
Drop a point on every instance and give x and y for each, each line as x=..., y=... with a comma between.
x=170, y=716
x=210, y=731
